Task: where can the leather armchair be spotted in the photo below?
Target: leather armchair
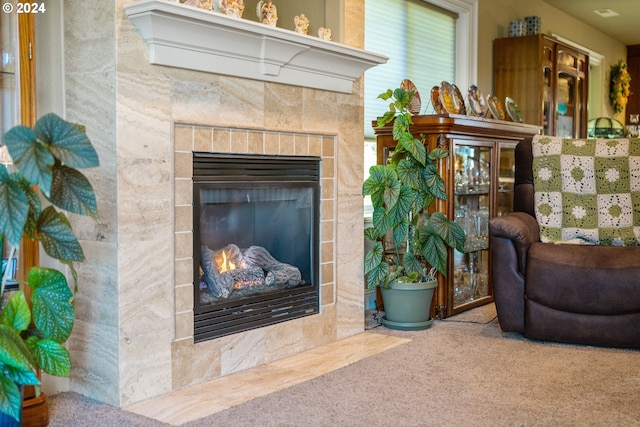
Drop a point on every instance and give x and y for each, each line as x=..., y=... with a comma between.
x=554, y=292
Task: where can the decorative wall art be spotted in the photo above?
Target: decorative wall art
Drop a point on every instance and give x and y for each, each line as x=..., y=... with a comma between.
x=619, y=86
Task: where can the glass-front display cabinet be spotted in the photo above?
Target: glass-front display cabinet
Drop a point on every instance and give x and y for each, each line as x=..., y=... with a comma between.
x=547, y=79
x=479, y=177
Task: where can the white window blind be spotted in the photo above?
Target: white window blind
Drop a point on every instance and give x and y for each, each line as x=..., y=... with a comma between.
x=419, y=40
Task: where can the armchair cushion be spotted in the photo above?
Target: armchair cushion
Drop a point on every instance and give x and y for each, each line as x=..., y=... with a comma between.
x=587, y=190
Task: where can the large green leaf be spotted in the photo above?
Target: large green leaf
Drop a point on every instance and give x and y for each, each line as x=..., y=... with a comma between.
x=415, y=147
x=403, y=98
x=371, y=233
x=57, y=237
x=448, y=230
x=434, y=181
x=50, y=356
x=70, y=145
x=409, y=175
x=391, y=192
x=412, y=264
x=373, y=257
x=16, y=314
x=375, y=184
x=53, y=311
x=435, y=253
x=401, y=125
x=13, y=351
x=71, y=191
x=20, y=376
x=400, y=232
x=31, y=157
x=10, y=397
x=380, y=221
x=14, y=207
x=402, y=206
x=438, y=153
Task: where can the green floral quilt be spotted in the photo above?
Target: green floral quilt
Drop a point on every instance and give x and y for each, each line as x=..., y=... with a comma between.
x=587, y=190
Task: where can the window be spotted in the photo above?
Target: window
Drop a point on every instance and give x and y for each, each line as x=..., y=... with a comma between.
x=426, y=42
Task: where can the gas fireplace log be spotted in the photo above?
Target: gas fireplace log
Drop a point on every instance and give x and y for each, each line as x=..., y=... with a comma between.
x=285, y=274
x=278, y=273
x=218, y=285
x=251, y=275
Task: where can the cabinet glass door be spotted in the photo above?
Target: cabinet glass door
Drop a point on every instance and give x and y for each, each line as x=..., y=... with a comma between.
x=472, y=212
x=506, y=177
x=547, y=103
x=565, y=105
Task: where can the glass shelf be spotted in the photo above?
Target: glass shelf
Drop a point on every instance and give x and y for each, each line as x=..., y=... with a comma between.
x=472, y=209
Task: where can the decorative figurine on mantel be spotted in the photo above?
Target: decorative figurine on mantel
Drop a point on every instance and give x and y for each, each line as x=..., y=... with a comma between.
x=202, y=4
x=233, y=8
x=324, y=33
x=267, y=13
x=302, y=23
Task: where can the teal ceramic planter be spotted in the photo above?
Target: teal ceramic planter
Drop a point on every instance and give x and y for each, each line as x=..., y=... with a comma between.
x=407, y=305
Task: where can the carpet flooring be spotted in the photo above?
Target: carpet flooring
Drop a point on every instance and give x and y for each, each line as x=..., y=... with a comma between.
x=463, y=371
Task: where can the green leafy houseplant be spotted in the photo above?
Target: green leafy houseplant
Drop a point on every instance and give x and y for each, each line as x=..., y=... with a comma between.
x=402, y=192
x=32, y=331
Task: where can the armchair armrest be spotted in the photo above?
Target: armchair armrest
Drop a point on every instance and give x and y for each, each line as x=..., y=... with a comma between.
x=510, y=237
x=519, y=227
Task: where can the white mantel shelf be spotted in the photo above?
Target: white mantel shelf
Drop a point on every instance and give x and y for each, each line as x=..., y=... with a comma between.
x=192, y=38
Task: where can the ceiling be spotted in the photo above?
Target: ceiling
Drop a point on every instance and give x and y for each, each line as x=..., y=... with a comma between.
x=625, y=27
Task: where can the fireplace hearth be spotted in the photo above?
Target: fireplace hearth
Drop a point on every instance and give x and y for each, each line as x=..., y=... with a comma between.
x=256, y=241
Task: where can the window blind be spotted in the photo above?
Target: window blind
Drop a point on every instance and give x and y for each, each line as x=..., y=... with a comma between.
x=419, y=40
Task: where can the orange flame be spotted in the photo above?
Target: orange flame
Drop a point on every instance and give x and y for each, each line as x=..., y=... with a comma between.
x=225, y=265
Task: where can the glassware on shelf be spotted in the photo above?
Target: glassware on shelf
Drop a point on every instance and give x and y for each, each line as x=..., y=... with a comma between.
x=475, y=176
x=633, y=130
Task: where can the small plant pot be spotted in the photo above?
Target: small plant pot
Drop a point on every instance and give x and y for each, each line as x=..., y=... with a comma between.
x=407, y=305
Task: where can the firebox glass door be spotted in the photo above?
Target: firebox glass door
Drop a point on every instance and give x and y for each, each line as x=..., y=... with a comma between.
x=255, y=239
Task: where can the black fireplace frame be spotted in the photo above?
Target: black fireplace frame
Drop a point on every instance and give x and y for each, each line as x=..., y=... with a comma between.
x=232, y=316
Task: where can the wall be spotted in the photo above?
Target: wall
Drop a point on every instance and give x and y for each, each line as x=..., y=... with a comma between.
x=494, y=18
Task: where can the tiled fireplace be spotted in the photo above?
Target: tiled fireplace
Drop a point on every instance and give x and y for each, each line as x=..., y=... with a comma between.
x=220, y=139
x=134, y=332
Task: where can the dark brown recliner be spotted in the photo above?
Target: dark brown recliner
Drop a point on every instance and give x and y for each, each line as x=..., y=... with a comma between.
x=565, y=293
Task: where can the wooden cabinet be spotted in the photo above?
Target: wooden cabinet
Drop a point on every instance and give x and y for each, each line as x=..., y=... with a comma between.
x=479, y=179
x=547, y=79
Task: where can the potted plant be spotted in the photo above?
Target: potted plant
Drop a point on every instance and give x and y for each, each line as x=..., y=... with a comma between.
x=402, y=193
x=33, y=328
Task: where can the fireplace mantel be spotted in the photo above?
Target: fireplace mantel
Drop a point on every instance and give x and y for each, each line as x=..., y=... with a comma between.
x=192, y=38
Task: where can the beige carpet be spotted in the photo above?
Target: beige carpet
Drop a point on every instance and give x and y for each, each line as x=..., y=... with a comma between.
x=461, y=372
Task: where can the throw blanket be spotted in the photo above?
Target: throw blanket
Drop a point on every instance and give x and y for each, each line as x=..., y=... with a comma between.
x=587, y=190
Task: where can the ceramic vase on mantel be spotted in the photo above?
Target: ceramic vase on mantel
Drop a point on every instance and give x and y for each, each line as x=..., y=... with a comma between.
x=407, y=305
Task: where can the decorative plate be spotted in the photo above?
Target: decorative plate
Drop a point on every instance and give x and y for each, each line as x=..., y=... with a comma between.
x=495, y=107
x=513, y=110
x=435, y=100
x=463, y=110
x=477, y=105
x=449, y=99
x=416, y=103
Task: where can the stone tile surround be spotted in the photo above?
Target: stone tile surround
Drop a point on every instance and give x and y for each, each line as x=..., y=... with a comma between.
x=188, y=138
x=132, y=338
